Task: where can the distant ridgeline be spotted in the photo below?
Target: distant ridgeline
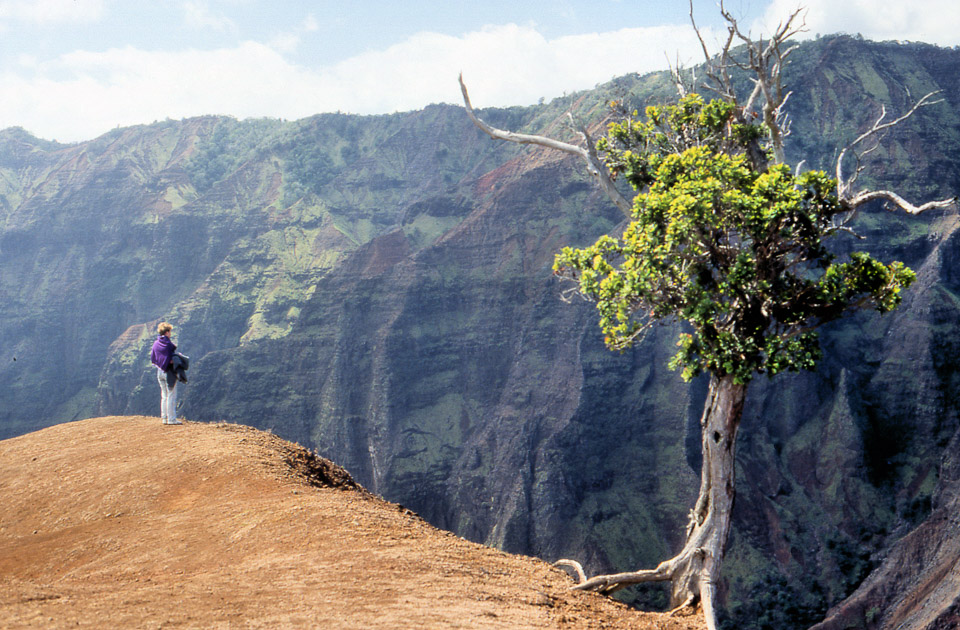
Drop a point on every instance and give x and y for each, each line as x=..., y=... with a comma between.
x=379, y=288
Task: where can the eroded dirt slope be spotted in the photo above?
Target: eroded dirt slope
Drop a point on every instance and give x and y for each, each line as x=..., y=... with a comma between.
x=123, y=522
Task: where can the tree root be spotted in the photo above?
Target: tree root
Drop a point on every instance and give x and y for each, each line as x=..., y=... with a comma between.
x=615, y=581
x=689, y=603
x=690, y=571
x=576, y=566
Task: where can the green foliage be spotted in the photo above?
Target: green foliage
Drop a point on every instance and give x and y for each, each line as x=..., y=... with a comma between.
x=851, y=560
x=308, y=168
x=775, y=604
x=723, y=242
x=231, y=144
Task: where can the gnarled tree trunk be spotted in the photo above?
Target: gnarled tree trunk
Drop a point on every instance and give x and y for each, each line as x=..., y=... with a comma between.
x=710, y=519
x=694, y=571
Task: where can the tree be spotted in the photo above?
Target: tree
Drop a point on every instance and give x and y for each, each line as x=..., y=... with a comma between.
x=723, y=235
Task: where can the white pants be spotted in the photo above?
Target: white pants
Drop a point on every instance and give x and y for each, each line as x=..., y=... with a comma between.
x=168, y=398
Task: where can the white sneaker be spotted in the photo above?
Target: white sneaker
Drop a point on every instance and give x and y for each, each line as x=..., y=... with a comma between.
x=172, y=422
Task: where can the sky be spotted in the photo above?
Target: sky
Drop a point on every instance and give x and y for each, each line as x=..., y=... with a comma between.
x=71, y=70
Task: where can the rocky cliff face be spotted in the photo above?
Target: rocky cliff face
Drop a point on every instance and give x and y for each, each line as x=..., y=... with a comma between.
x=380, y=289
x=917, y=586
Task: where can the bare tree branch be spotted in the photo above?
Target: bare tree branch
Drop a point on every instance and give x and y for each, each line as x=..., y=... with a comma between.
x=876, y=131
x=676, y=72
x=898, y=201
x=766, y=61
x=589, y=154
x=716, y=66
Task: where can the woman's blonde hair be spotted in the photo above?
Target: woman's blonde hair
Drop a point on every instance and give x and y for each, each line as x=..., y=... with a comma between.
x=163, y=328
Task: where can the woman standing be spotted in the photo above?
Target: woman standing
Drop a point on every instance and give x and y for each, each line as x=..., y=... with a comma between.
x=161, y=355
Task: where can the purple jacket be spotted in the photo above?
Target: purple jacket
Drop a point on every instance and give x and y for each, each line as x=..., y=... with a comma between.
x=162, y=352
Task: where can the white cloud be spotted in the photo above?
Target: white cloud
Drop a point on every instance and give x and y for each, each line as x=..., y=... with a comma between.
x=128, y=86
x=198, y=15
x=288, y=42
x=82, y=94
x=50, y=11
x=933, y=21
x=285, y=43
x=503, y=65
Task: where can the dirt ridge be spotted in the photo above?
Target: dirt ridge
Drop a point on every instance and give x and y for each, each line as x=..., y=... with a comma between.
x=124, y=522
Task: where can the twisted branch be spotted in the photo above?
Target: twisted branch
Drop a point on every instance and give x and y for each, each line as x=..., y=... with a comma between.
x=589, y=154
x=876, y=132
x=898, y=201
